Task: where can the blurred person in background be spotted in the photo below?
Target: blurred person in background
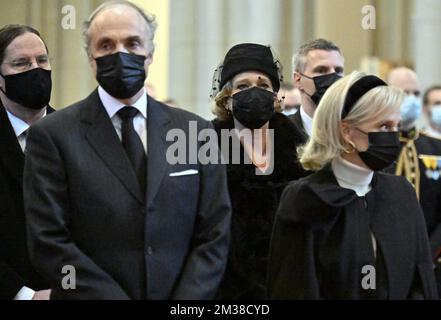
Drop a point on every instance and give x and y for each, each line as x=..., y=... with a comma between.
x=432, y=105
x=420, y=158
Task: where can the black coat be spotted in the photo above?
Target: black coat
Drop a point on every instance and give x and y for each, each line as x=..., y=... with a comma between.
x=254, y=201
x=85, y=208
x=16, y=270
x=322, y=233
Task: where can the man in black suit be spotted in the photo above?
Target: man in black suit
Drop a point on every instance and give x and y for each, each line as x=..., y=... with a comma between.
x=109, y=215
x=316, y=66
x=25, y=89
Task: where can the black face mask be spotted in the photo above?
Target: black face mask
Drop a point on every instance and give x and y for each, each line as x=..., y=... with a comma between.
x=253, y=107
x=122, y=75
x=322, y=83
x=384, y=148
x=30, y=89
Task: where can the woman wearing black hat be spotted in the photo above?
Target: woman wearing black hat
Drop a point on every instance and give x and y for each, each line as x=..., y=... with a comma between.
x=350, y=231
x=245, y=102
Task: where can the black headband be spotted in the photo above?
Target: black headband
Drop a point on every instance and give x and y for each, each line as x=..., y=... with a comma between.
x=358, y=89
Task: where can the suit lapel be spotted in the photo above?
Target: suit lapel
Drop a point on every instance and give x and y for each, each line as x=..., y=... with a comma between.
x=11, y=154
x=302, y=135
x=101, y=135
x=157, y=127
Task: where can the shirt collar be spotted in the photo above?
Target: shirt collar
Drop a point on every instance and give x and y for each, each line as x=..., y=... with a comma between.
x=289, y=112
x=351, y=174
x=113, y=105
x=18, y=124
x=306, y=120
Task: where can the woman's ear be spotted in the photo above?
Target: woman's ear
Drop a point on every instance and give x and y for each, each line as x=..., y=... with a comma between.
x=346, y=132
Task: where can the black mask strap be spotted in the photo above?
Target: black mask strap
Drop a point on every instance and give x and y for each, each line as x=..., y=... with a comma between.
x=359, y=89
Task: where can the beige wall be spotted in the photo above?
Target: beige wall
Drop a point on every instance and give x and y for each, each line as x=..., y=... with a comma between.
x=194, y=35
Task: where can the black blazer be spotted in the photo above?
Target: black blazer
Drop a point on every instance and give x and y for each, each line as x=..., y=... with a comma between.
x=15, y=269
x=319, y=241
x=300, y=138
x=85, y=209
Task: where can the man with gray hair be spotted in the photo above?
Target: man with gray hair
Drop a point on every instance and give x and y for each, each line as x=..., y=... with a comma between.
x=316, y=66
x=108, y=216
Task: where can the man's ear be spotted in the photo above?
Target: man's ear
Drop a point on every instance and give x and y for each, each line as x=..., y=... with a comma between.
x=92, y=63
x=297, y=81
x=149, y=59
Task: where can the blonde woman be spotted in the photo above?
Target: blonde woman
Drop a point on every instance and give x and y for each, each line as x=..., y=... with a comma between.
x=349, y=231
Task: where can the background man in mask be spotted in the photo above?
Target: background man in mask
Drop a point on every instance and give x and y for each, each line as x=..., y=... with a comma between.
x=25, y=90
x=432, y=105
x=420, y=158
x=103, y=201
x=316, y=66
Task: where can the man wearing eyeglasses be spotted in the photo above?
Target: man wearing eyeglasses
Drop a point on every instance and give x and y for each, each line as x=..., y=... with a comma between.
x=25, y=89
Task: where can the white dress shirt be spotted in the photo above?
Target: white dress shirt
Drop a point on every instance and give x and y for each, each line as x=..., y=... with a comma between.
x=289, y=112
x=112, y=107
x=20, y=129
x=306, y=120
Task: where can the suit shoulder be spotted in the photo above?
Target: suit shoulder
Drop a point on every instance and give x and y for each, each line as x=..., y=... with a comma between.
x=428, y=145
x=182, y=117
x=62, y=118
x=425, y=136
x=390, y=181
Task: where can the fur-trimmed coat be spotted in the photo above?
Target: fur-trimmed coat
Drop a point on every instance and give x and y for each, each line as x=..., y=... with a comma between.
x=255, y=199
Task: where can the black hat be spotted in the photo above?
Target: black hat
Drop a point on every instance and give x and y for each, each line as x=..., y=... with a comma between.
x=250, y=56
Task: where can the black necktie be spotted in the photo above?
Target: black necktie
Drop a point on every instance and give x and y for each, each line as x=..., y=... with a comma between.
x=133, y=145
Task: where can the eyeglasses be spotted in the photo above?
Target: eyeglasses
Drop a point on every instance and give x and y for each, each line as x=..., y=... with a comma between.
x=26, y=64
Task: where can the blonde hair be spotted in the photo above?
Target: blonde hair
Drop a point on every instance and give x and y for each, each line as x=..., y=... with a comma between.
x=326, y=141
x=221, y=104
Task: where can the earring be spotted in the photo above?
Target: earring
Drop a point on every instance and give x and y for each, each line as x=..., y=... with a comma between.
x=351, y=149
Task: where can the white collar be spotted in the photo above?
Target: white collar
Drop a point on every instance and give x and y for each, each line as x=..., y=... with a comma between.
x=432, y=132
x=289, y=112
x=113, y=105
x=352, y=176
x=306, y=120
x=18, y=124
